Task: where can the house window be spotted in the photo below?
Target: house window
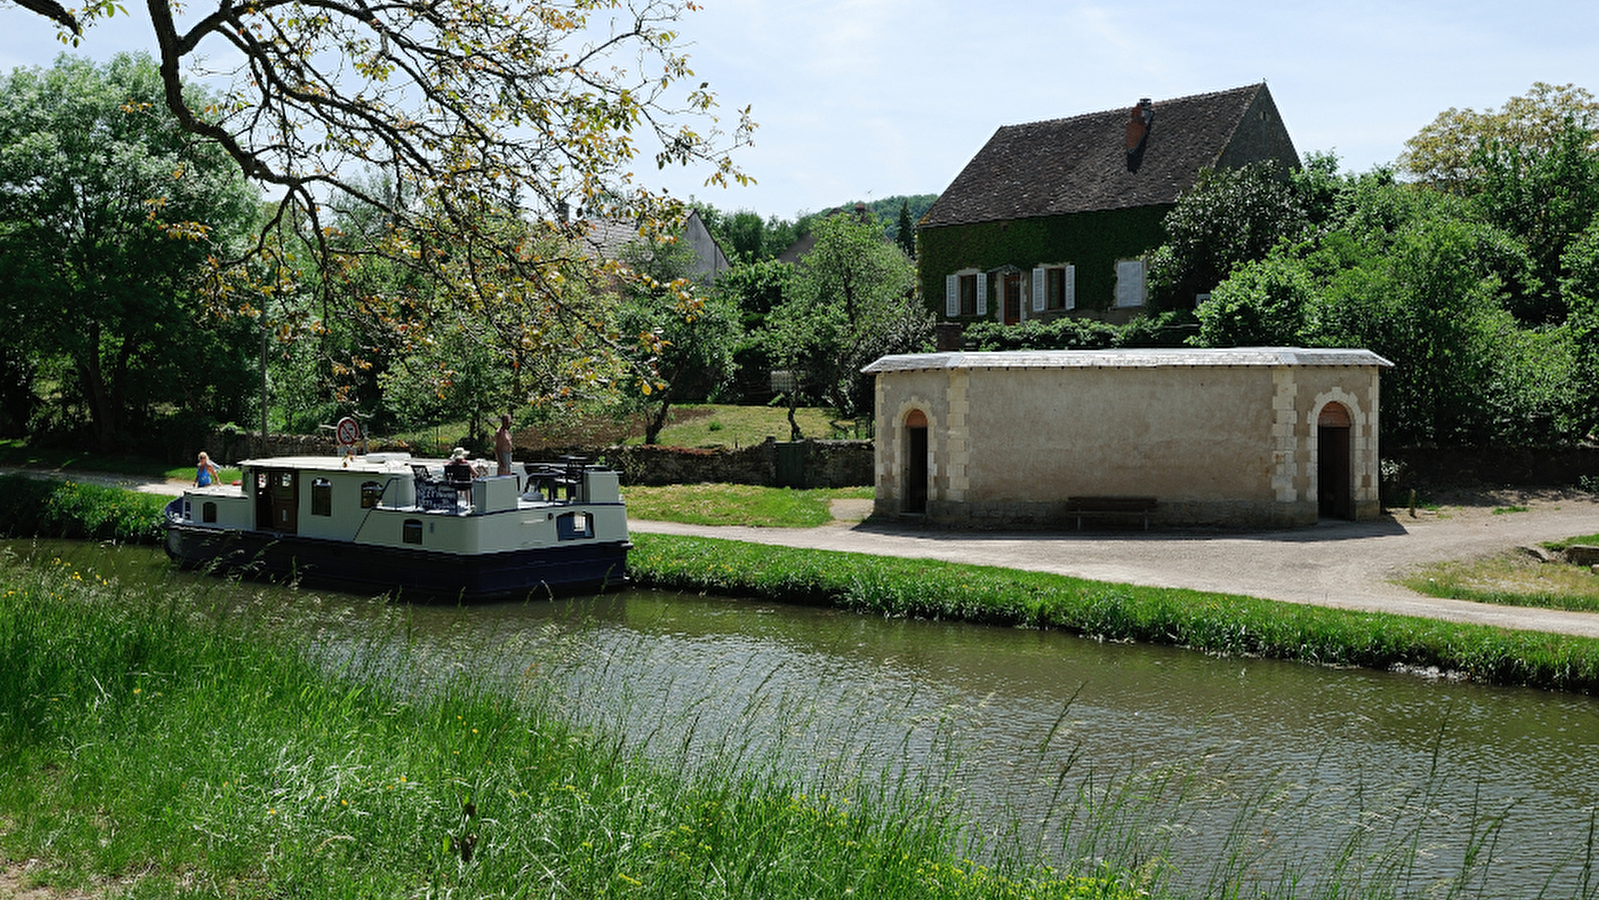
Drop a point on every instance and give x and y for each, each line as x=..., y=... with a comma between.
x=966, y=294
x=1054, y=288
x=371, y=493
x=1130, y=282
x=321, y=497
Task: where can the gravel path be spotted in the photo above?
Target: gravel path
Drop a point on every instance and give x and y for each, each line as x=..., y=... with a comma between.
x=1340, y=564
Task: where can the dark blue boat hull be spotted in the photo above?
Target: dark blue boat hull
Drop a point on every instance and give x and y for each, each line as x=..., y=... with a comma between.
x=408, y=573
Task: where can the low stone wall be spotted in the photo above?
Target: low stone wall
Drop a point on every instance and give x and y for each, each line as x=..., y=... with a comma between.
x=827, y=463
x=1425, y=468
x=228, y=447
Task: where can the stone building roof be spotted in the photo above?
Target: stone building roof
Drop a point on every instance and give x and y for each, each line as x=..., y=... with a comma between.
x=1105, y=161
x=1132, y=358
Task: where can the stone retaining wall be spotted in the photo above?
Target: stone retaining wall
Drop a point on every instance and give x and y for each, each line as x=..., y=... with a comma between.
x=1442, y=467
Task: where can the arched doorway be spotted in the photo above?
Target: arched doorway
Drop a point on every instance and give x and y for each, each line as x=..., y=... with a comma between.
x=915, y=494
x=1335, y=495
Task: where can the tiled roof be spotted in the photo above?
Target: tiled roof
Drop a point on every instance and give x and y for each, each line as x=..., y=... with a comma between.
x=1128, y=359
x=1081, y=163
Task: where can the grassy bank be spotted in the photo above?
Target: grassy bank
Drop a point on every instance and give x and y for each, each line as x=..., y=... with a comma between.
x=1213, y=623
x=45, y=507
x=146, y=752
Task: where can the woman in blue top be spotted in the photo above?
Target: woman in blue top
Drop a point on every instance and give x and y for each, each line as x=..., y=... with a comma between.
x=205, y=472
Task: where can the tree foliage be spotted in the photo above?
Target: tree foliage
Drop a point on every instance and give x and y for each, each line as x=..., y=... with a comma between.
x=486, y=121
x=1229, y=217
x=110, y=220
x=1418, y=277
x=1443, y=154
x=690, y=337
x=853, y=301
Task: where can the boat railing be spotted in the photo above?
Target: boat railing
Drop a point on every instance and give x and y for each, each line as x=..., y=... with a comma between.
x=562, y=480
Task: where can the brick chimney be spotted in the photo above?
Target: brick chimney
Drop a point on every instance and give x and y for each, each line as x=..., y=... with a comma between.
x=1138, y=122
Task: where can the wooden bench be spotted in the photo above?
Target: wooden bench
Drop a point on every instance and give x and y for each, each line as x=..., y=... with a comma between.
x=1110, y=507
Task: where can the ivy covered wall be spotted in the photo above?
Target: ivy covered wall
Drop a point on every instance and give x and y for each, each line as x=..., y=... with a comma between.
x=1091, y=241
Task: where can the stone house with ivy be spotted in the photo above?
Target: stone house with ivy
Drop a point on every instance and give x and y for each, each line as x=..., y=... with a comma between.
x=1056, y=218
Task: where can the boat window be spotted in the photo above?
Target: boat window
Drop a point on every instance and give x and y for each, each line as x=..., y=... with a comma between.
x=573, y=525
x=371, y=493
x=321, y=497
x=208, y=511
x=413, y=531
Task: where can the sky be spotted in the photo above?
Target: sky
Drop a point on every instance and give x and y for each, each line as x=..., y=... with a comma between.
x=865, y=99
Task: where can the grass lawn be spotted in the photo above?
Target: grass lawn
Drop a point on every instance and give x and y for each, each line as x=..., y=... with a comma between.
x=18, y=453
x=736, y=504
x=711, y=424
x=1513, y=579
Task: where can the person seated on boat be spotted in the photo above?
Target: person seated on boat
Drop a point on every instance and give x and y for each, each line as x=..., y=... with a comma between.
x=205, y=471
x=458, y=470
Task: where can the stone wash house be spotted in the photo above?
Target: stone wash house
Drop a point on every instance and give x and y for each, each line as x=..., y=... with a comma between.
x=1246, y=437
x=1055, y=218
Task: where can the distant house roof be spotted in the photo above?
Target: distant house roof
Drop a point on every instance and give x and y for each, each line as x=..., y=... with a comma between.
x=1105, y=161
x=1129, y=358
x=806, y=243
x=606, y=238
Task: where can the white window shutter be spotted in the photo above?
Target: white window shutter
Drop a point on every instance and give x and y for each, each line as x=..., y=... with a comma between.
x=1130, y=282
x=1039, y=289
x=952, y=295
x=982, y=293
x=1071, y=287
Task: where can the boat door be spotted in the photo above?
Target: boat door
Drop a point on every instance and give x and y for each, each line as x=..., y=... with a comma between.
x=277, y=500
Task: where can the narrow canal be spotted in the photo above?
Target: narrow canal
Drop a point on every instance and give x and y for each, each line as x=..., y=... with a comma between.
x=1228, y=768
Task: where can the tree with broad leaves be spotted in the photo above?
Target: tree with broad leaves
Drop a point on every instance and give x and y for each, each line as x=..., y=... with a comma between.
x=691, y=337
x=853, y=300
x=1443, y=154
x=483, y=112
x=108, y=215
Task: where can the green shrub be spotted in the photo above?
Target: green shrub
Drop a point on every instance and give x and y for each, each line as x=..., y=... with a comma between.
x=39, y=507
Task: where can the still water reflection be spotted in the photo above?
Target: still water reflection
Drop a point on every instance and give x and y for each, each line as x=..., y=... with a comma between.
x=1234, y=768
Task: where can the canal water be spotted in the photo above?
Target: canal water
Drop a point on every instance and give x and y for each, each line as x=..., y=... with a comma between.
x=1229, y=770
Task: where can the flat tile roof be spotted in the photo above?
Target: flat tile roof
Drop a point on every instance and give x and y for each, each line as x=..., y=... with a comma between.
x=1128, y=359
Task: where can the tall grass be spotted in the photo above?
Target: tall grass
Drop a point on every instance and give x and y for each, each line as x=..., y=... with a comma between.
x=143, y=744
x=44, y=507
x=1214, y=623
x=148, y=747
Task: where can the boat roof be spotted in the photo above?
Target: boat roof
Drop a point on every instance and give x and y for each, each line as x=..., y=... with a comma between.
x=372, y=463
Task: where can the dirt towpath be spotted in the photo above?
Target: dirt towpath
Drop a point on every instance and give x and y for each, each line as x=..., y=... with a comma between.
x=1350, y=565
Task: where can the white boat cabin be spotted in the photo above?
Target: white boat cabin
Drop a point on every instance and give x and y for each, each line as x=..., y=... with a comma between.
x=394, y=500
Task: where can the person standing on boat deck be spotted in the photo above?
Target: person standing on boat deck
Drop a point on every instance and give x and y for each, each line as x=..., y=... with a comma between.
x=205, y=471
x=502, y=445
